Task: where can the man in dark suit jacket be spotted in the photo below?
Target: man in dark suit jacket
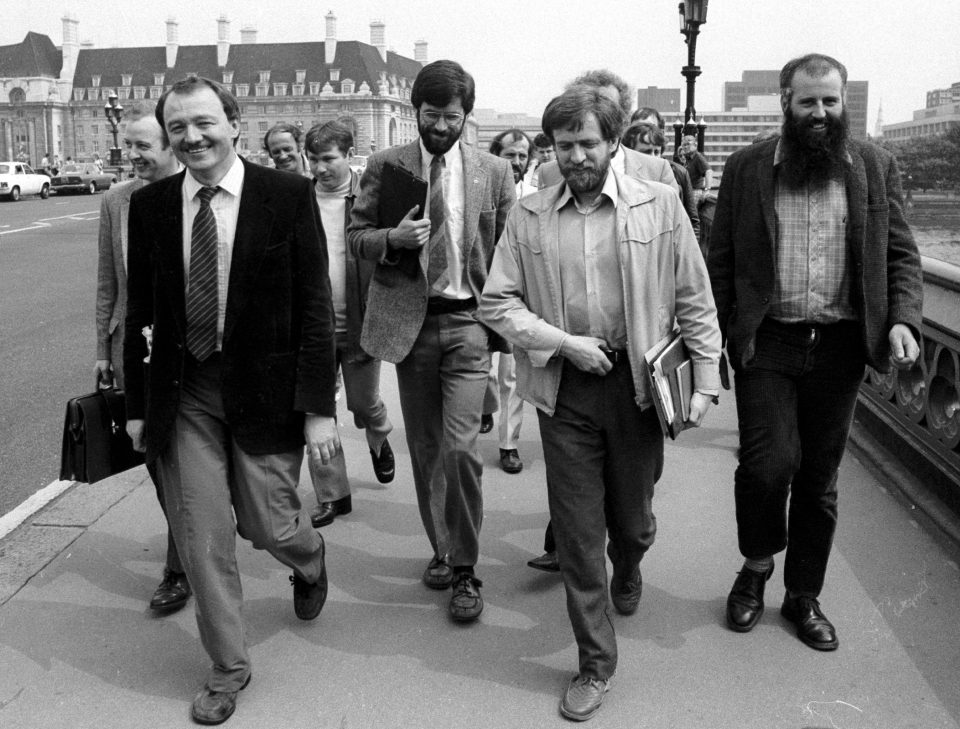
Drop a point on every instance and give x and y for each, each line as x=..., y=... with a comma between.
x=815, y=274
x=227, y=263
x=423, y=316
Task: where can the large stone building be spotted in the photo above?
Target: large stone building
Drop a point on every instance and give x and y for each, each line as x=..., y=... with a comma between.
x=53, y=98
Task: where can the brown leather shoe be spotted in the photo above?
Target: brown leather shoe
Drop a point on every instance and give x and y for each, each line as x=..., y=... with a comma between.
x=546, y=562
x=172, y=592
x=466, y=603
x=330, y=510
x=583, y=697
x=813, y=628
x=215, y=707
x=745, y=601
x=308, y=599
x=625, y=592
x=510, y=460
x=439, y=574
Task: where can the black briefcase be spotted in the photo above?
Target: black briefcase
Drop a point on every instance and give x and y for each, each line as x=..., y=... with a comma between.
x=95, y=440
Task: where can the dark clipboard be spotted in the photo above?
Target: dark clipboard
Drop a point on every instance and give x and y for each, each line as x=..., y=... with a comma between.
x=669, y=372
x=400, y=191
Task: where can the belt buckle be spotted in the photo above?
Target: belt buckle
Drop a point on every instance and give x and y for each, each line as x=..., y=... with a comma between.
x=612, y=355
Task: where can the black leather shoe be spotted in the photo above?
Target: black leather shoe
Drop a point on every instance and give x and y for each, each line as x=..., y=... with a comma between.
x=384, y=465
x=813, y=628
x=546, y=562
x=486, y=423
x=625, y=591
x=510, y=460
x=466, y=604
x=330, y=510
x=172, y=593
x=308, y=599
x=215, y=707
x=439, y=574
x=745, y=601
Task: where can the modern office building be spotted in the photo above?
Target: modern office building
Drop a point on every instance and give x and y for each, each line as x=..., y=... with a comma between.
x=53, y=98
x=941, y=114
x=666, y=101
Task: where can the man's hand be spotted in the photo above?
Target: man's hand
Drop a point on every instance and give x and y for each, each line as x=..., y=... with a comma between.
x=323, y=440
x=904, y=349
x=103, y=372
x=586, y=353
x=135, y=431
x=699, y=404
x=410, y=233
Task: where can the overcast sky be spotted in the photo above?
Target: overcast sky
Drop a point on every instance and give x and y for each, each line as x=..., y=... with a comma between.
x=521, y=53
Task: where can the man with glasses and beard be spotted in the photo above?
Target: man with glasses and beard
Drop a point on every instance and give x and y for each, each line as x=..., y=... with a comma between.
x=582, y=299
x=815, y=274
x=423, y=317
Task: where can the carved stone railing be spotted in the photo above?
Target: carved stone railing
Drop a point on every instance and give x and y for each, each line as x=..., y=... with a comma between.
x=916, y=414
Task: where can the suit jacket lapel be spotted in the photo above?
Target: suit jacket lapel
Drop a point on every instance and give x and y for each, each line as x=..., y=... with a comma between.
x=474, y=183
x=768, y=207
x=410, y=159
x=855, y=183
x=254, y=221
x=170, y=248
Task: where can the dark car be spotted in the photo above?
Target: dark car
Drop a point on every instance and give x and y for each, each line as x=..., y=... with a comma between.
x=84, y=177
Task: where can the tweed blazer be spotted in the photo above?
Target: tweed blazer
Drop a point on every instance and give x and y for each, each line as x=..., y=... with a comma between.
x=635, y=164
x=278, y=353
x=397, y=302
x=112, y=273
x=886, y=285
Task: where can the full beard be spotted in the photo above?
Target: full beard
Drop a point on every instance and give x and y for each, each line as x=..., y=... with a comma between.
x=814, y=157
x=584, y=179
x=439, y=142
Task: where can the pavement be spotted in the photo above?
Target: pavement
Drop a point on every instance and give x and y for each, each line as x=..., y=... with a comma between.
x=79, y=647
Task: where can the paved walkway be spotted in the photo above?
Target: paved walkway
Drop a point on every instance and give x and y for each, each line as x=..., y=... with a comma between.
x=79, y=648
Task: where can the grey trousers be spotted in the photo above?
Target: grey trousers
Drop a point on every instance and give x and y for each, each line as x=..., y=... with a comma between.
x=441, y=384
x=207, y=479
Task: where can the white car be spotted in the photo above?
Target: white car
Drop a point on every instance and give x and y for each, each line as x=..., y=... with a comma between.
x=16, y=179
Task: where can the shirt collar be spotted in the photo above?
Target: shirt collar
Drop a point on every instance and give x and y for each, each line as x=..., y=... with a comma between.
x=610, y=189
x=427, y=157
x=232, y=182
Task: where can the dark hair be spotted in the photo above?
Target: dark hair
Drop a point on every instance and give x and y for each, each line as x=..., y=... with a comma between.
x=440, y=82
x=643, y=132
x=508, y=137
x=329, y=134
x=191, y=85
x=542, y=141
x=570, y=110
x=280, y=128
x=645, y=113
x=603, y=77
x=816, y=65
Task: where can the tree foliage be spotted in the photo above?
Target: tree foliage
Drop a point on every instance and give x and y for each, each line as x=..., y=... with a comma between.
x=928, y=162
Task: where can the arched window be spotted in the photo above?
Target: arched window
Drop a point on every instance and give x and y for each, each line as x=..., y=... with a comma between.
x=17, y=96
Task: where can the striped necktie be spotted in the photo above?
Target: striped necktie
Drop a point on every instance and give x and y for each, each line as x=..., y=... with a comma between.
x=202, y=303
x=437, y=275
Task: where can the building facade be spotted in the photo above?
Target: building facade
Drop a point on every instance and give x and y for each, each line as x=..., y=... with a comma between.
x=941, y=114
x=666, y=101
x=53, y=99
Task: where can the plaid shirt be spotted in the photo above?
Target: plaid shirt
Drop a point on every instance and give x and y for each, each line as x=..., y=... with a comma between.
x=813, y=276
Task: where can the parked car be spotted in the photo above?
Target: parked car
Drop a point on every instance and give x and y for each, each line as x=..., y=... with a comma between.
x=17, y=178
x=83, y=177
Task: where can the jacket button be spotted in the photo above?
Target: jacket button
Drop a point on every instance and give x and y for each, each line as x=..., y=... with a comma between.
x=765, y=300
x=176, y=383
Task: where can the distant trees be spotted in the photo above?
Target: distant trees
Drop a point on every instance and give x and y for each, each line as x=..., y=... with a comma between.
x=928, y=162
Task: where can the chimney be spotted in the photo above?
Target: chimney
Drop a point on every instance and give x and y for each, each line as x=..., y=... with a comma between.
x=330, y=42
x=420, y=51
x=173, y=41
x=248, y=35
x=378, y=38
x=223, y=40
x=71, y=46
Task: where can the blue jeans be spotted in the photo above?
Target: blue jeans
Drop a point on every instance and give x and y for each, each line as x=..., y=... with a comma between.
x=795, y=403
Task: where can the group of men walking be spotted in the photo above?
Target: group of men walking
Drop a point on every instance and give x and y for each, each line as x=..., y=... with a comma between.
x=243, y=277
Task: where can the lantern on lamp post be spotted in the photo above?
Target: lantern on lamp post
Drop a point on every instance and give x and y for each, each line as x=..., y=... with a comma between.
x=693, y=14
x=114, y=112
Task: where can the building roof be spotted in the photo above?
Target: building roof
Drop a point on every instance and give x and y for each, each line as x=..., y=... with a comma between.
x=34, y=56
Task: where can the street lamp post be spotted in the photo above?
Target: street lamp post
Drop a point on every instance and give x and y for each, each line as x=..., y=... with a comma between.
x=693, y=14
x=113, y=111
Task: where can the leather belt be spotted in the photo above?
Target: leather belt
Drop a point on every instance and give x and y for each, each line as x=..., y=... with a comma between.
x=439, y=305
x=617, y=356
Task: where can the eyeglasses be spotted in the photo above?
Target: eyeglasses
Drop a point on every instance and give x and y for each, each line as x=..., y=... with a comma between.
x=452, y=118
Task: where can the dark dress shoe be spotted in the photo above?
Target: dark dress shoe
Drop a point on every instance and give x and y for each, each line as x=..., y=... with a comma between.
x=330, y=510
x=625, y=591
x=486, y=423
x=172, y=593
x=813, y=628
x=384, y=465
x=546, y=562
x=308, y=599
x=466, y=604
x=745, y=601
x=215, y=707
x=510, y=460
x=439, y=574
